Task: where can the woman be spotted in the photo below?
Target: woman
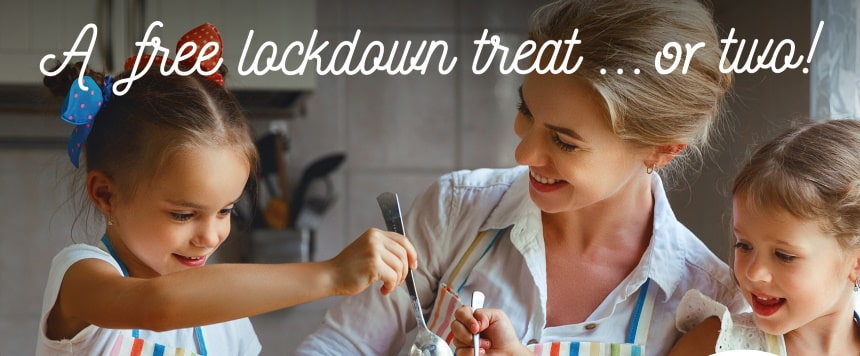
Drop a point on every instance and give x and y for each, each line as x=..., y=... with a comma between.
x=579, y=243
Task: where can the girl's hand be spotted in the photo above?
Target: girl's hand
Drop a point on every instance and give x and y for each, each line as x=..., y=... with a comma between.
x=497, y=333
x=376, y=255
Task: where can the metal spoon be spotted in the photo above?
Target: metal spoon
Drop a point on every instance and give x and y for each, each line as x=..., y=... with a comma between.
x=477, y=303
x=426, y=342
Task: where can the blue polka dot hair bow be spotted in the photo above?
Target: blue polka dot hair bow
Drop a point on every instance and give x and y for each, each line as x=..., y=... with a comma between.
x=80, y=109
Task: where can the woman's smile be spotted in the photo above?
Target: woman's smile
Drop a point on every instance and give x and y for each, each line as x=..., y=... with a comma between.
x=543, y=184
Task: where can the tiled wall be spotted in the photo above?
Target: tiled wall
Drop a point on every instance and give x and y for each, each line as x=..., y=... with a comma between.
x=402, y=132
x=399, y=132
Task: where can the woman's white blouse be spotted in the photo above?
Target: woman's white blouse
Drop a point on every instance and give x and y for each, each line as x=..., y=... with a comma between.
x=447, y=217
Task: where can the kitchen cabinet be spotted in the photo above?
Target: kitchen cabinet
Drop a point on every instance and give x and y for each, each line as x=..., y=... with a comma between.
x=31, y=29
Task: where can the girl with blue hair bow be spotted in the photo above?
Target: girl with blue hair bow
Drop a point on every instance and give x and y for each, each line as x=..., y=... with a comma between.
x=165, y=164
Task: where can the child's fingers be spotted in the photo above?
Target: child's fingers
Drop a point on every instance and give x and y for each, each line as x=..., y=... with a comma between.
x=410, y=255
x=467, y=350
x=387, y=260
x=470, y=320
x=392, y=270
x=396, y=251
x=462, y=336
x=388, y=256
x=368, y=259
x=463, y=327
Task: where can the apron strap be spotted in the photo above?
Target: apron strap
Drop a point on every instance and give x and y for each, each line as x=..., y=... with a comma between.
x=135, y=333
x=447, y=297
x=106, y=243
x=479, y=247
x=634, y=345
x=641, y=320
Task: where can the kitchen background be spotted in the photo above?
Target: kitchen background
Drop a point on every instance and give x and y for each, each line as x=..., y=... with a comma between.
x=399, y=133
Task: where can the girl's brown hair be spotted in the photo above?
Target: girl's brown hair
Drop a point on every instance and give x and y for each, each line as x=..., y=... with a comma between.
x=133, y=134
x=812, y=172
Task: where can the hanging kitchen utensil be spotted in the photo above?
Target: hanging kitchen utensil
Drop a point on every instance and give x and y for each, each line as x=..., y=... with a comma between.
x=306, y=209
x=252, y=192
x=271, y=149
x=281, y=147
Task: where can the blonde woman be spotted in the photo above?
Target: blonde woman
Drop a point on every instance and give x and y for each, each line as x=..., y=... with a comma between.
x=578, y=245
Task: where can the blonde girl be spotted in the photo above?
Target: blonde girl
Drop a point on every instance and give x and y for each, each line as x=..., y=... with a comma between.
x=796, y=224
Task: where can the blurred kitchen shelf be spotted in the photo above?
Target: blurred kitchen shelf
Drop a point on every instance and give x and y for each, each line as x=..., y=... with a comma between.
x=278, y=246
x=49, y=143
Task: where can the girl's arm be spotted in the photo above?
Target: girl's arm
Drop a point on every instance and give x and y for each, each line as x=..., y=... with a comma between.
x=701, y=340
x=92, y=291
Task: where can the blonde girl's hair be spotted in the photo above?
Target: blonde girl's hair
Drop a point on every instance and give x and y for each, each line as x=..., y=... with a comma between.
x=648, y=108
x=812, y=172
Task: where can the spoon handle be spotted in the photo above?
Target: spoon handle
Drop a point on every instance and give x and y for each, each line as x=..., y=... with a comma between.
x=390, y=205
x=477, y=303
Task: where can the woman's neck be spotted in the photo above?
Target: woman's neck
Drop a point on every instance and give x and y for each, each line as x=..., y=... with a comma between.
x=624, y=220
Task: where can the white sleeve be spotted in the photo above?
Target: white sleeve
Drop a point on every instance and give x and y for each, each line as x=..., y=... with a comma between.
x=695, y=307
x=60, y=264
x=374, y=324
x=737, y=332
x=441, y=224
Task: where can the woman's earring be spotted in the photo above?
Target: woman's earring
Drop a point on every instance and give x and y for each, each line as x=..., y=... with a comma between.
x=651, y=169
x=110, y=221
x=857, y=284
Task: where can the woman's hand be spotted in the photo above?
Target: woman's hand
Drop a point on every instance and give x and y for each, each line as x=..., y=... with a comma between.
x=497, y=333
x=376, y=255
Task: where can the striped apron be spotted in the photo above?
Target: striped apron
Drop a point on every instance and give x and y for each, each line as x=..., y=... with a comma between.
x=448, y=300
x=129, y=343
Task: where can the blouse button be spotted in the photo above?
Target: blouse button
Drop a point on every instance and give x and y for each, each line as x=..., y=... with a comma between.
x=532, y=342
x=590, y=326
